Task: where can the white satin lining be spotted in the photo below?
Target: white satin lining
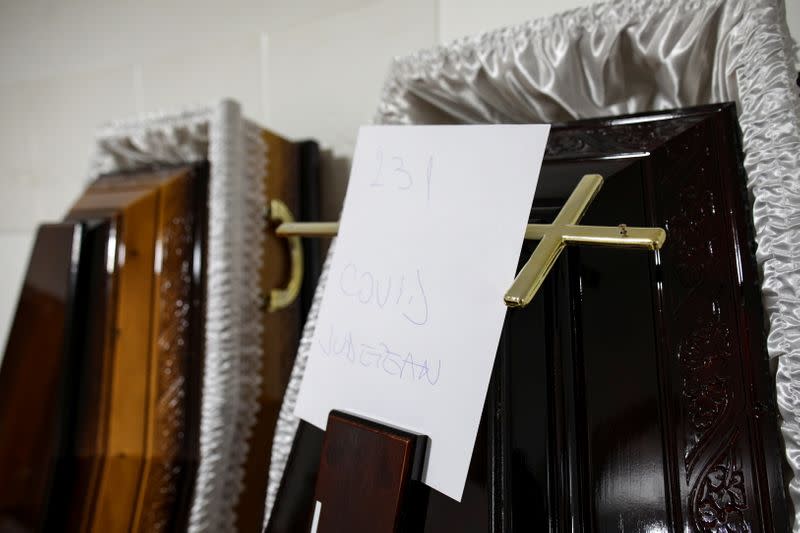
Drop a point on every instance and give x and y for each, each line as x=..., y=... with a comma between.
x=629, y=56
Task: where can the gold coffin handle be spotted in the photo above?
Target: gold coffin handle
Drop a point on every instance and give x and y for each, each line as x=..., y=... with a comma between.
x=279, y=213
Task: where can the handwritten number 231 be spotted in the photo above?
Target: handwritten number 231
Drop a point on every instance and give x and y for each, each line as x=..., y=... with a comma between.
x=399, y=176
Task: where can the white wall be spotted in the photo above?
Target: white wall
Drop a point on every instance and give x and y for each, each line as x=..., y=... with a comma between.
x=65, y=67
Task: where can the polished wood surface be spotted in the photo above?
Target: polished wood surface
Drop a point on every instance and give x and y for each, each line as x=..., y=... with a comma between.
x=351, y=496
x=142, y=448
x=37, y=380
x=634, y=393
x=310, y=209
x=92, y=415
x=131, y=451
x=176, y=342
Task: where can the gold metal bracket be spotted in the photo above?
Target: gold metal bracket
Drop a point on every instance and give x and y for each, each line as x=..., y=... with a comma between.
x=279, y=299
x=553, y=238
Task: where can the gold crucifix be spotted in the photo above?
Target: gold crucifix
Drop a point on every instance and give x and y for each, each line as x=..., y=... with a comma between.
x=553, y=238
x=565, y=230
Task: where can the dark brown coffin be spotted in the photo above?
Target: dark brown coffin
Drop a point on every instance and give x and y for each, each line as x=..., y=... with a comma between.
x=38, y=378
x=136, y=435
x=634, y=393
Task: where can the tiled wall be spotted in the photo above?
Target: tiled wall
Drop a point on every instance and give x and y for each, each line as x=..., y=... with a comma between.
x=305, y=68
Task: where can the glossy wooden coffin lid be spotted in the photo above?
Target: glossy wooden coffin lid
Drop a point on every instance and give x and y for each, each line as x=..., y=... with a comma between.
x=37, y=379
x=138, y=431
x=350, y=496
x=634, y=393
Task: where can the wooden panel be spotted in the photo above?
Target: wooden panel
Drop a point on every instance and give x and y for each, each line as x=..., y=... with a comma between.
x=139, y=445
x=37, y=379
x=127, y=449
x=352, y=497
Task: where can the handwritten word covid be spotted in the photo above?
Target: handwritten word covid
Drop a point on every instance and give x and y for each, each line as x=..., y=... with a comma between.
x=401, y=294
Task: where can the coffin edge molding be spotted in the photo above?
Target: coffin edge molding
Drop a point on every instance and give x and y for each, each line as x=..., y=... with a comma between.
x=231, y=385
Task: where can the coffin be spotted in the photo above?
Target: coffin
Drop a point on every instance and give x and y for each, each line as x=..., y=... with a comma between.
x=38, y=377
x=110, y=340
x=634, y=393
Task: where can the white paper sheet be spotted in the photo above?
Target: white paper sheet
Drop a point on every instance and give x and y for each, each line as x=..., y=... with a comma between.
x=410, y=320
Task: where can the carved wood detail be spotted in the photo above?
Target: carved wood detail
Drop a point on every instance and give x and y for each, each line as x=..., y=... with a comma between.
x=704, y=346
x=719, y=498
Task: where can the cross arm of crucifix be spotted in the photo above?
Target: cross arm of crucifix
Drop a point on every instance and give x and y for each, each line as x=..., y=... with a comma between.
x=565, y=230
